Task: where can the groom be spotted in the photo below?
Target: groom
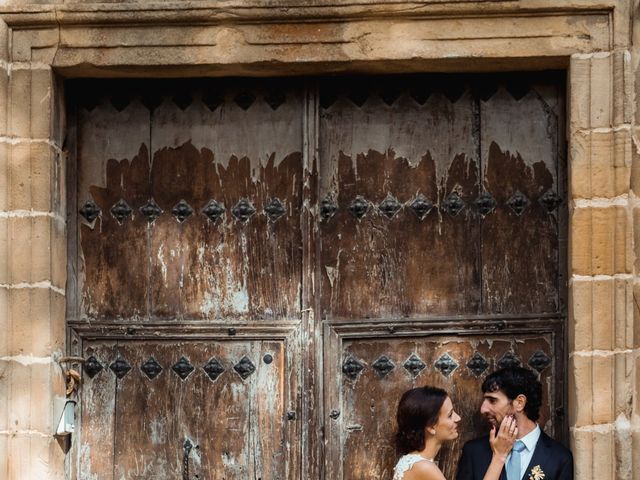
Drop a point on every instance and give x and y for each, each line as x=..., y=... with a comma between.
x=535, y=456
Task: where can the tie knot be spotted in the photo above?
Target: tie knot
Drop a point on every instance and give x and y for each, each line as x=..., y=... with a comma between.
x=519, y=446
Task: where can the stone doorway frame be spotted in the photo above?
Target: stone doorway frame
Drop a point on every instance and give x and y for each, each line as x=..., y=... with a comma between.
x=42, y=44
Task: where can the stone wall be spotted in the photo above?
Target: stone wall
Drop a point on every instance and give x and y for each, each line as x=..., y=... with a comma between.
x=597, y=41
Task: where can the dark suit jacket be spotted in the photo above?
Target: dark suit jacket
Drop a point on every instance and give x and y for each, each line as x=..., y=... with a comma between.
x=554, y=459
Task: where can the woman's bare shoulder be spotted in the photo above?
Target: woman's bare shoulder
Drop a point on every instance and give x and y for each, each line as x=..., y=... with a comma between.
x=424, y=470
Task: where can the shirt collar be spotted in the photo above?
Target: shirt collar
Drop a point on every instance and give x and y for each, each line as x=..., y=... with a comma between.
x=531, y=439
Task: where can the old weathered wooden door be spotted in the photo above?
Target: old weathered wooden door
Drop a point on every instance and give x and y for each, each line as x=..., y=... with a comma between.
x=261, y=268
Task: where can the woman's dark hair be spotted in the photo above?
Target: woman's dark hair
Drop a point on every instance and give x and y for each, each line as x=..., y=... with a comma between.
x=418, y=409
x=514, y=381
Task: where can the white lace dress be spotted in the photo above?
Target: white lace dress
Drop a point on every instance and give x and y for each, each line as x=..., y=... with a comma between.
x=405, y=463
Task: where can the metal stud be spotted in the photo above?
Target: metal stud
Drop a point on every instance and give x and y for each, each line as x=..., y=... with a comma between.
x=151, y=368
x=351, y=368
x=485, y=203
x=90, y=211
x=275, y=209
x=550, y=200
x=244, y=367
x=183, y=368
x=477, y=364
x=518, y=203
x=213, y=210
x=213, y=369
x=453, y=204
x=243, y=210
x=421, y=206
x=414, y=365
x=359, y=207
x=539, y=361
x=92, y=366
x=244, y=100
x=182, y=210
x=446, y=364
x=120, y=211
x=268, y=358
x=509, y=359
x=389, y=206
x=151, y=210
x=383, y=366
x=275, y=99
x=120, y=367
x=328, y=208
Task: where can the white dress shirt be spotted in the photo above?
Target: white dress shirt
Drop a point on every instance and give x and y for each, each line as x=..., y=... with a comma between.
x=530, y=441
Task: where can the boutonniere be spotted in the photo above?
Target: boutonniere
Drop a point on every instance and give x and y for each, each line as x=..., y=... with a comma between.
x=536, y=473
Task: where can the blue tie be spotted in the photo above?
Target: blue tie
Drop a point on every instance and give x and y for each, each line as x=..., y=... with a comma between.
x=513, y=465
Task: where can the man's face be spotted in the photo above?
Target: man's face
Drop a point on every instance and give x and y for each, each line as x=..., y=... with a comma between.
x=495, y=406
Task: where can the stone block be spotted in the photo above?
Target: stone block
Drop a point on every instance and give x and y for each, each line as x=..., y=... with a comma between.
x=32, y=313
x=58, y=260
x=635, y=452
x=580, y=390
x=580, y=164
x=580, y=315
x=623, y=386
x=636, y=317
x=4, y=92
x=600, y=240
x=603, y=169
x=29, y=249
x=4, y=176
x=33, y=456
x=622, y=159
x=622, y=87
x=603, y=319
x=582, y=448
x=603, y=455
x=20, y=103
x=4, y=321
x=579, y=93
x=4, y=251
x=603, y=390
x=30, y=173
x=601, y=97
x=42, y=101
x=624, y=313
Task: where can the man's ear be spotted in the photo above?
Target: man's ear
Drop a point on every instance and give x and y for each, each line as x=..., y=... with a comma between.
x=519, y=403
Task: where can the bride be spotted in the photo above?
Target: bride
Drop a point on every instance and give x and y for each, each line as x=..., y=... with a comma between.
x=426, y=420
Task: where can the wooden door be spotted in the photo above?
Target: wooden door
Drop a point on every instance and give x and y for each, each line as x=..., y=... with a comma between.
x=259, y=268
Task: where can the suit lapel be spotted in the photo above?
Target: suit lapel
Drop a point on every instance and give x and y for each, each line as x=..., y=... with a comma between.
x=540, y=453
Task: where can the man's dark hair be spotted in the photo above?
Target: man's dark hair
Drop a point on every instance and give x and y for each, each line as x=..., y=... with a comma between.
x=514, y=381
x=418, y=409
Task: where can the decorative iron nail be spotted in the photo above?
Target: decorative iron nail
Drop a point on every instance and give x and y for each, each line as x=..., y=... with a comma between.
x=183, y=368
x=212, y=100
x=539, y=361
x=275, y=209
x=120, y=367
x=268, y=358
x=120, y=101
x=151, y=368
x=120, y=211
x=231, y=331
x=485, y=203
x=182, y=210
x=90, y=211
x=182, y=100
x=92, y=366
x=328, y=208
x=414, y=365
x=383, y=366
x=244, y=367
x=213, y=210
x=291, y=415
x=509, y=359
x=453, y=204
x=359, y=207
x=358, y=96
x=550, y=201
x=334, y=414
x=351, y=368
x=477, y=364
x=244, y=100
x=151, y=210
x=275, y=99
x=421, y=206
x=389, y=206
x=213, y=369
x=243, y=210
x=518, y=203
x=446, y=364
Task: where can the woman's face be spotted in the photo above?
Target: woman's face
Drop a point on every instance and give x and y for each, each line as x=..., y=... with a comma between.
x=447, y=426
